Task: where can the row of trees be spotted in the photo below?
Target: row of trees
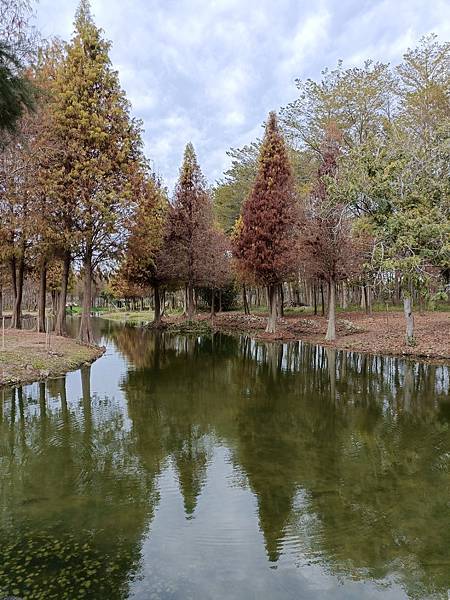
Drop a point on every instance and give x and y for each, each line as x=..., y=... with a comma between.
x=369, y=155
x=350, y=184
x=69, y=176
x=77, y=192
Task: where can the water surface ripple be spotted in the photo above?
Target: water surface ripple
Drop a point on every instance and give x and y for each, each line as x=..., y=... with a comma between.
x=218, y=467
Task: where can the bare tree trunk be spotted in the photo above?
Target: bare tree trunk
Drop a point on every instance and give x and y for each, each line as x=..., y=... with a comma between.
x=272, y=301
x=363, y=298
x=315, y=298
x=1, y=301
x=12, y=267
x=220, y=301
x=344, y=296
x=190, y=301
x=16, y=321
x=213, y=304
x=54, y=302
x=366, y=303
x=280, y=300
x=397, y=296
x=42, y=296
x=157, y=298
x=86, y=334
x=244, y=296
x=60, y=323
x=322, y=299
x=331, y=329
x=407, y=309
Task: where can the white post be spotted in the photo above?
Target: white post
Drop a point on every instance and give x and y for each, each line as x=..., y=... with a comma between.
x=3, y=333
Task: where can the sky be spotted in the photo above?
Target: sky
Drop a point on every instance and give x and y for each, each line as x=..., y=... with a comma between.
x=209, y=71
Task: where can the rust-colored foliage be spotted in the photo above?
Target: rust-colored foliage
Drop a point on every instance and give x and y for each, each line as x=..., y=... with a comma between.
x=190, y=223
x=196, y=252
x=265, y=246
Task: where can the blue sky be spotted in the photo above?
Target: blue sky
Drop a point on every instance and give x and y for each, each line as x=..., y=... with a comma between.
x=209, y=71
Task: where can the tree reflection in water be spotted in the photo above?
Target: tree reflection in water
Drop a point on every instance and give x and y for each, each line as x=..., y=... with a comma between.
x=345, y=454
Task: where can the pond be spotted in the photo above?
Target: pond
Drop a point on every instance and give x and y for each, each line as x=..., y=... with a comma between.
x=217, y=467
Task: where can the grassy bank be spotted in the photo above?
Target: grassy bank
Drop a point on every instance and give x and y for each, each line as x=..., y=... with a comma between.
x=26, y=357
x=125, y=316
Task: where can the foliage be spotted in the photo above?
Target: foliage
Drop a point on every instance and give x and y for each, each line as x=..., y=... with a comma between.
x=103, y=149
x=265, y=240
x=231, y=191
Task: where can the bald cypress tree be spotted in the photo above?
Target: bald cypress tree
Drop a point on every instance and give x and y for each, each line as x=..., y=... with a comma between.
x=102, y=149
x=265, y=241
x=190, y=228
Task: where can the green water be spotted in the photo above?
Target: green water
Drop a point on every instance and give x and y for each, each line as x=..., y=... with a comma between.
x=220, y=468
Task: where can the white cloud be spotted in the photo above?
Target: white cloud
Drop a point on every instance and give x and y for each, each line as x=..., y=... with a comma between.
x=209, y=71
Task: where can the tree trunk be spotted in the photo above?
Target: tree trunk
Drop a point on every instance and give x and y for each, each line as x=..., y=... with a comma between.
x=363, y=303
x=344, y=296
x=322, y=299
x=185, y=311
x=367, y=302
x=16, y=321
x=42, y=296
x=60, y=324
x=157, y=297
x=331, y=329
x=54, y=302
x=397, y=297
x=12, y=267
x=244, y=296
x=86, y=334
x=272, y=301
x=280, y=300
x=213, y=304
x=1, y=301
x=190, y=301
x=315, y=298
x=407, y=309
x=220, y=300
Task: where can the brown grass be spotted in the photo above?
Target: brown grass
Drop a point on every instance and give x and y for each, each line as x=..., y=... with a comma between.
x=26, y=357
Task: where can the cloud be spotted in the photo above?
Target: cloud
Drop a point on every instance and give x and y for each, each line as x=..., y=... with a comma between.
x=209, y=71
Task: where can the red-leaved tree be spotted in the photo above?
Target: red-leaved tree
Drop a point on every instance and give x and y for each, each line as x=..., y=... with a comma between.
x=190, y=225
x=265, y=242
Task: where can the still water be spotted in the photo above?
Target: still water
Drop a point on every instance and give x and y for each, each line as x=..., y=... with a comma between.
x=222, y=468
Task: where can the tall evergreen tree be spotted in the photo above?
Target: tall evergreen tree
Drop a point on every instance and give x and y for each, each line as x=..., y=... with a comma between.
x=190, y=227
x=265, y=244
x=102, y=149
x=146, y=260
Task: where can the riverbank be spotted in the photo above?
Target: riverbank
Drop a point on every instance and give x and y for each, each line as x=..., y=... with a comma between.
x=26, y=357
x=379, y=333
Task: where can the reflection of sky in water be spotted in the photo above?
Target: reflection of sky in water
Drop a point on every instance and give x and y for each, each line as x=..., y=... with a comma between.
x=203, y=537
x=220, y=553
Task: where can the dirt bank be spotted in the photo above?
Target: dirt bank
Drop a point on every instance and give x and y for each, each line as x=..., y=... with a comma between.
x=27, y=359
x=379, y=333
